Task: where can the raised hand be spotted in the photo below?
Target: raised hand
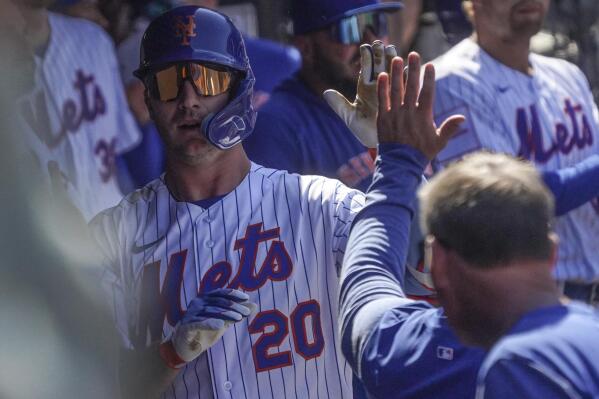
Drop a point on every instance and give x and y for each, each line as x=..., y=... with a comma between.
x=405, y=113
x=360, y=116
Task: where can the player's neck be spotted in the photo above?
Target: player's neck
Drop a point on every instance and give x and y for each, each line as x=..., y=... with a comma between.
x=514, y=291
x=513, y=53
x=217, y=176
x=37, y=31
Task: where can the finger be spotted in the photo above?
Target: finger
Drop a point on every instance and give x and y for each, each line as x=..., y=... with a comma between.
x=413, y=83
x=390, y=53
x=378, y=51
x=225, y=303
x=229, y=293
x=366, y=64
x=450, y=127
x=382, y=89
x=397, y=84
x=214, y=312
x=251, y=306
x=427, y=94
x=338, y=103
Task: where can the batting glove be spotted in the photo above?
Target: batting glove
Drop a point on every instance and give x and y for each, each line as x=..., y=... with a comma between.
x=207, y=318
x=360, y=116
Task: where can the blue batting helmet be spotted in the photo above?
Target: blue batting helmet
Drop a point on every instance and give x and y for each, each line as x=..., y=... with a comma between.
x=197, y=34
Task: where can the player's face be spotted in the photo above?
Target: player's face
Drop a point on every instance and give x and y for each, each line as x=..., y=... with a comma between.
x=179, y=122
x=510, y=18
x=339, y=64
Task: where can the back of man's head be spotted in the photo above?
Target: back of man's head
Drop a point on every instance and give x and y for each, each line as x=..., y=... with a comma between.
x=491, y=209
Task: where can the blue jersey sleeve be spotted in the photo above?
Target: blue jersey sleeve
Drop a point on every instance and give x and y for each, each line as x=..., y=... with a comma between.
x=372, y=270
x=574, y=186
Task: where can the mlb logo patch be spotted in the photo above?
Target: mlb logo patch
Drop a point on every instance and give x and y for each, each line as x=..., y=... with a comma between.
x=445, y=353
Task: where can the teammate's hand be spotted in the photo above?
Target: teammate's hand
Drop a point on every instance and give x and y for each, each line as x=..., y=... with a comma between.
x=207, y=318
x=405, y=112
x=360, y=116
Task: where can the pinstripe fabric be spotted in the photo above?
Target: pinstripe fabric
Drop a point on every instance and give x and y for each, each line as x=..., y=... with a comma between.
x=313, y=215
x=549, y=118
x=77, y=118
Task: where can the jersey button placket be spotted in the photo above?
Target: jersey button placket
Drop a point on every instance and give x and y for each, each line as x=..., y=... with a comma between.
x=227, y=385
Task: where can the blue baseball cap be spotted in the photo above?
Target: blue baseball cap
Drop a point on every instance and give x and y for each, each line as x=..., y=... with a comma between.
x=312, y=15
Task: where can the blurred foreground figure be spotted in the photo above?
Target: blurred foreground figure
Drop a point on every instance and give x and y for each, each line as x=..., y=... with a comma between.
x=56, y=339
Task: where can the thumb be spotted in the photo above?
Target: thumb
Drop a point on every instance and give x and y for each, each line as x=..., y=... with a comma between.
x=340, y=104
x=450, y=126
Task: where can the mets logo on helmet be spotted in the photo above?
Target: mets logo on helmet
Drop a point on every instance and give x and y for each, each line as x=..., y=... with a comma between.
x=185, y=30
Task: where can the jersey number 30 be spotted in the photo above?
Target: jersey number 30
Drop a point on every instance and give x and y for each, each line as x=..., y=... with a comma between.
x=274, y=326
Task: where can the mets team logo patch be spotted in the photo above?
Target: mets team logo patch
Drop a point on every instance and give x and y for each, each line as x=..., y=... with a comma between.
x=185, y=28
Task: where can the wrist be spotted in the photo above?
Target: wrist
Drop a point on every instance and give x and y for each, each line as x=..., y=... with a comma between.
x=169, y=355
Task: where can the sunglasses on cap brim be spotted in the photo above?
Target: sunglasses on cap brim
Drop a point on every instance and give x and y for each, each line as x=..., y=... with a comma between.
x=207, y=80
x=351, y=30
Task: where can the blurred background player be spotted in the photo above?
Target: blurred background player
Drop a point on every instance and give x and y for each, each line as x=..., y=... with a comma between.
x=298, y=131
x=524, y=104
x=75, y=117
x=215, y=220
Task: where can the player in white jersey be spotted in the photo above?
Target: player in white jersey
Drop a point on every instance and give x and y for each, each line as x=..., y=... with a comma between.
x=216, y=220
x=76, y=118
x=527, y=105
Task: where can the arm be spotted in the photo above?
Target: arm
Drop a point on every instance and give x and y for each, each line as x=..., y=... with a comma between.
x=379, y=235
x=143, y=373
x=574, y=186
x=377, y=248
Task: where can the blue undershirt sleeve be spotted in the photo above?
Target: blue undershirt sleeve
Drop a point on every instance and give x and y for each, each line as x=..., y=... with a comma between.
x=574, y=186
x=372, y=272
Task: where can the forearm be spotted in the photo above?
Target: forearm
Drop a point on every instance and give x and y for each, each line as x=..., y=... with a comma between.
x=574, y=186
x=374, y=262
x=144, y=374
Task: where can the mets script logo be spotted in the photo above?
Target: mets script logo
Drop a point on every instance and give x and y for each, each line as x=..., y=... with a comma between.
x=565, y=139
x=185, y=30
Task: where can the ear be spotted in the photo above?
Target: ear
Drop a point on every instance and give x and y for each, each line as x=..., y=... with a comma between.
x=554, y=249
x=439, y=263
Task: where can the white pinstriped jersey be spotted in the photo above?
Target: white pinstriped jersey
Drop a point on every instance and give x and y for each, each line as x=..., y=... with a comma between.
x=280, y=238
x=549, y=118
x=76, y=119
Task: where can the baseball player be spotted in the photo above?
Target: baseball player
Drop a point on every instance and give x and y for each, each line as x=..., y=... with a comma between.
x=189, y=253
x=527, y=105
x=76, y=118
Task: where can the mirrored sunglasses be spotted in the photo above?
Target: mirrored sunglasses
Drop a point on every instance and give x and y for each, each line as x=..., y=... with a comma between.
x=351, y=30
x=207, y=81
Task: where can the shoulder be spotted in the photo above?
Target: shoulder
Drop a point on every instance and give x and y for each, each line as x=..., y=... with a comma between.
x=131, y=206
x=79, y=30
x=556, y=69
x=461, y=61
x=548, y=335
x=310, y=186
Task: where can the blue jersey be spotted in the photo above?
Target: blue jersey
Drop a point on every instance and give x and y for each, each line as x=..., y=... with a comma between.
x=551, y=352
x=297, y=131
x=412, y=353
